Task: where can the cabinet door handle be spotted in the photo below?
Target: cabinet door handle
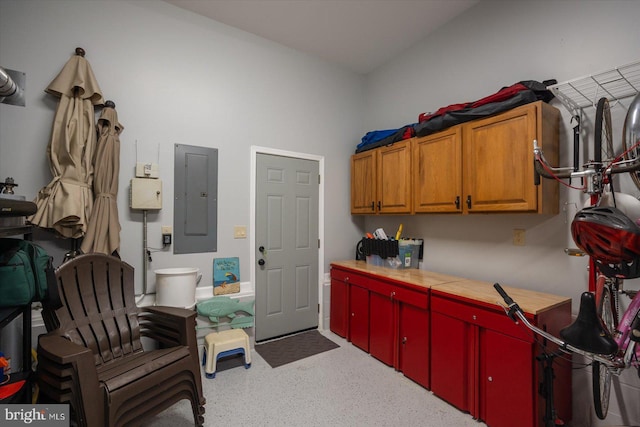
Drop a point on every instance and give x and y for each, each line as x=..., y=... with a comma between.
x=457, y=202
x=373, y=206
x=393, y=294
x=353, y=315
x=346, y=279
x=379, y=205
x=490, y=379
x=404, y=340
x=469, y=201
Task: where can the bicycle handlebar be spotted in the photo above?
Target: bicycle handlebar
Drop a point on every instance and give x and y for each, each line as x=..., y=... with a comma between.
x=514, y=308
x=507, y=299
x=616, y=166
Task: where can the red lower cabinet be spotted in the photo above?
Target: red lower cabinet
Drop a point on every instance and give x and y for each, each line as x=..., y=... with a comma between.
x=359, y=317
x=341, y=281
x=484, y=363
x=506, y=380
x=452, y=337
x=381, y=327
x=481, y=371
x=414, y=344
x=384, y=318
x=338, y=322
x=450, y=376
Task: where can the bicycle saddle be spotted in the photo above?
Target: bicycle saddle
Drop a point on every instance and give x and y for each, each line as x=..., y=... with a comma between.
x=606, y=234
x=587, y=332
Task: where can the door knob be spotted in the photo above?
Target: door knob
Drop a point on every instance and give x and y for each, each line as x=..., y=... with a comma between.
x=260, y=261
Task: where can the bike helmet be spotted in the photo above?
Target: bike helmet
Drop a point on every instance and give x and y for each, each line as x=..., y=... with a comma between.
x=606, y=234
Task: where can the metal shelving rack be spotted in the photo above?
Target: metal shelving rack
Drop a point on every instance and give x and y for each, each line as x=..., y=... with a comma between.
x=8, y=315
x=615, y=84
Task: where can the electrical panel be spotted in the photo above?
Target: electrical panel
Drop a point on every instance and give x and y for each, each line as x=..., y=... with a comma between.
x=145, y=194
x=195, y=203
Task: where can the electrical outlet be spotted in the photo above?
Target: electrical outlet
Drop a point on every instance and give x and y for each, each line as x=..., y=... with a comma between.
x=239, y=232
x=166, y=235
x=518, y=237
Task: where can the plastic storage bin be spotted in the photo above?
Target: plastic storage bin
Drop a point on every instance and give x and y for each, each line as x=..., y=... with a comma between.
x=409, y=253
x=375, y=260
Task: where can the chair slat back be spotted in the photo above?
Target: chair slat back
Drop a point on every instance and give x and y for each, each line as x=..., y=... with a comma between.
x=99, y=310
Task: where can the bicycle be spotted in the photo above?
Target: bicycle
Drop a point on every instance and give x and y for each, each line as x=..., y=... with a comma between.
x=590, y=338
x=605, y=232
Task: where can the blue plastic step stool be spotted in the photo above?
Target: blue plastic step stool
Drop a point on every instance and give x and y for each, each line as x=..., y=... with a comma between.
x=223, y=344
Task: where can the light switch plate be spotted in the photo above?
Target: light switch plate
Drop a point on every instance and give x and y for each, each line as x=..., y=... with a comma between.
x=239, y=232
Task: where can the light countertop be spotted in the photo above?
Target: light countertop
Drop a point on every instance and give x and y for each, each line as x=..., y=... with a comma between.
x=531, y=302
x=414, y=276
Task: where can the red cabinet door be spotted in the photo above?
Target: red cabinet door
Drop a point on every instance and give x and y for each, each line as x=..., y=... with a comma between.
x=359, y=317
x=449, y=360
x=414, y=344
x=506, y=380
x=338, y=322
x=381, y=327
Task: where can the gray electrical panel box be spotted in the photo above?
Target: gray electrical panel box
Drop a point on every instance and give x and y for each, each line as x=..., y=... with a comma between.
x=195, y=207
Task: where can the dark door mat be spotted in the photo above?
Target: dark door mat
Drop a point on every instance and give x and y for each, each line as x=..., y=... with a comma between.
x=286, y=350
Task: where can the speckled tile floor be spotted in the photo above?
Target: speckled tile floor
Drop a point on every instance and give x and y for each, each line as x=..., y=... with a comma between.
x=340, y=387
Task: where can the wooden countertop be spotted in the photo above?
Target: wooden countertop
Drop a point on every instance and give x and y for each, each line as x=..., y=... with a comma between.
x=421, y=278
x=531, y=302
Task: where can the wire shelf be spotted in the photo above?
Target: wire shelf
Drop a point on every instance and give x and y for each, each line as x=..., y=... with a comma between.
x=616, y=84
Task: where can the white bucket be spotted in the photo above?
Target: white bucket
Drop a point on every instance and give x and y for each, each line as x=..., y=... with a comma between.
x=176, y=287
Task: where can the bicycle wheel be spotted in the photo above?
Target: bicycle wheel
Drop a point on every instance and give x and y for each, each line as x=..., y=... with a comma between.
x=631, y=134
x=603, y=136
x=601, y=375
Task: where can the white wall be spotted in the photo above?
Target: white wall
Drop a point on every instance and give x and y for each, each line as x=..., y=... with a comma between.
x=180, y=78
x=496, y=44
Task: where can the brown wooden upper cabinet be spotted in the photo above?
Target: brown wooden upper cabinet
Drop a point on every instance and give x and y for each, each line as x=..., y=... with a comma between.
x=381, y=180
x=437, y=161
x=487, y=165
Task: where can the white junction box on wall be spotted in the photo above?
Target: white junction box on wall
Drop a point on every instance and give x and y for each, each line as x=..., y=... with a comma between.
x=145, y=194
x=147, y=170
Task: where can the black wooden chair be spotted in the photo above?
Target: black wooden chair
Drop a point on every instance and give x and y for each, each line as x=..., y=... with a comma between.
x=94, y=359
